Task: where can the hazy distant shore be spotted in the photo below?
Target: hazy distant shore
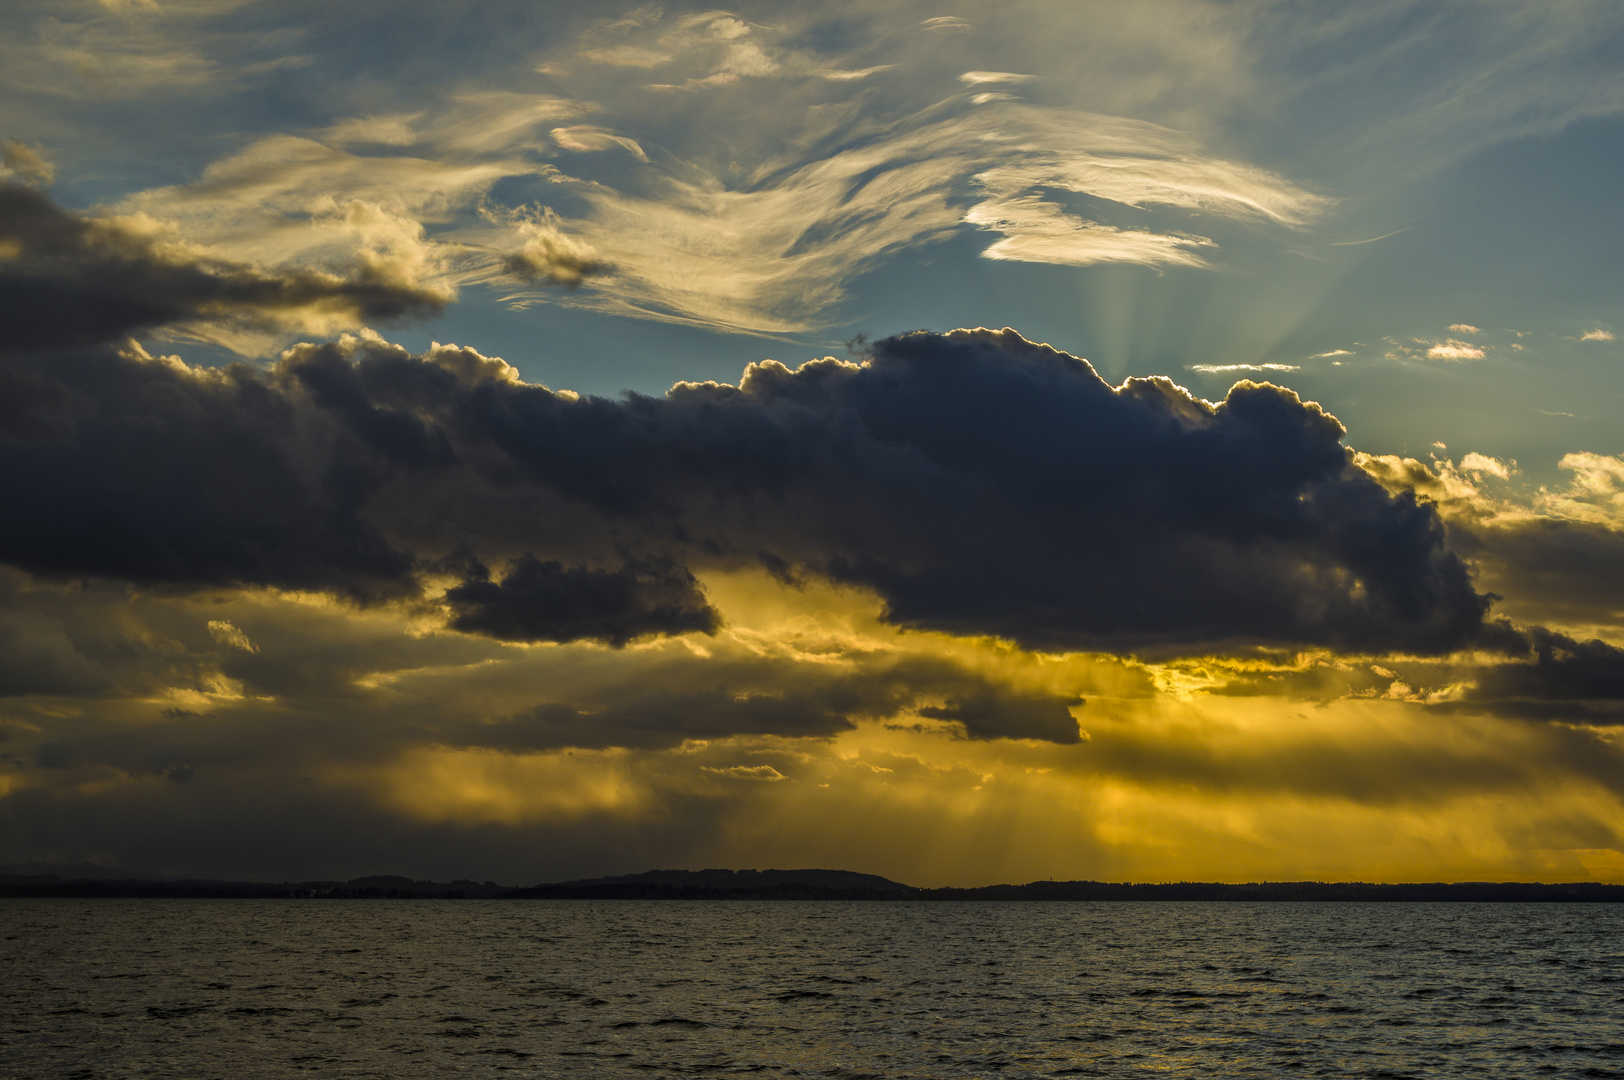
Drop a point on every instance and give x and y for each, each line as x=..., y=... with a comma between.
x=799, y=885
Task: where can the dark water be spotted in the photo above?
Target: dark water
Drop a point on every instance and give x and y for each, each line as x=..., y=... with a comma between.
x=196, y=989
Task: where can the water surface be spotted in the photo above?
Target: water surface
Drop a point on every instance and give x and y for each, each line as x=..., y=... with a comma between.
x=351, y=988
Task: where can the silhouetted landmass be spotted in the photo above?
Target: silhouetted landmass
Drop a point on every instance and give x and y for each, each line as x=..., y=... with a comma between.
x=381, y=887
x=798, y=885
x=1473, y=891
x=745, y=880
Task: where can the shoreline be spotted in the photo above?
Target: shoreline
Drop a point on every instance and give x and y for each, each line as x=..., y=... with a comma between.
x=1056, y=891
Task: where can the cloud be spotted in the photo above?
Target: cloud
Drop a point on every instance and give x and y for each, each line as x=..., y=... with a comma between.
x=417, y=766
x=1463, y=328
x=765, y=237
x=748, y=772
x=1333, y=352
x=227, y=633
x=1141, y=165
x=1454, y=350
x=774, y=254
x=1041, y=232
x=37, y=656
x=1012, y=716
x=189, y=477
x=257, y=203
x=69, y=282
x=1547, y=569
x=720, y=78
x=586, y=138
x=487, y=124
x=1483, y=464
x=666, y=717
x=1563, y=679
x=1595, y=495
x=546, y=601
x=136, y=48
x=1597, y=335
x=738, y=693
x=372, y=731
x=288, y=201
x=381, y=130
x=358, y=471
x=626, y=56
x=978, y=483
x=547, y=254
x=842, y=75
x=1554, y=561
x=1069, y=603
x=24, y=164
x=1540, y=675
x=977, y=78
x=1218, y=369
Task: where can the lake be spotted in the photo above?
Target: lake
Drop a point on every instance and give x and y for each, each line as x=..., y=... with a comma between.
x=560, y=988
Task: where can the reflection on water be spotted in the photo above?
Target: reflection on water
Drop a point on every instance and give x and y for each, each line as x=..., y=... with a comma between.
x=182, y=988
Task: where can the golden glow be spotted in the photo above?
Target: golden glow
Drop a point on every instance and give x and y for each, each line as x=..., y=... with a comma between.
x=1169, y=781
x=483, y=786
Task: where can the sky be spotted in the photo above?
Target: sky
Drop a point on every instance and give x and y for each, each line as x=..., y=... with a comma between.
x=961, y=442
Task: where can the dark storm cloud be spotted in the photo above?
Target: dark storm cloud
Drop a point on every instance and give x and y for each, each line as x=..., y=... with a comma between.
x=547, y=601
x=983, y=484
x=118, y=465
x=1561, y=679
x=38, y=654
x=979, y=483
x=720, y=699
x=1550, y=569
x=989, y=485
x=72, y=282
x=991, y=711
x=657, y=718
x=1546, y=676
x=115, y=465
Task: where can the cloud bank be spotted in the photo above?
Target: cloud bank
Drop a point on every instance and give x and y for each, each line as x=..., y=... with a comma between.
x=70, y=281
x=978, y=483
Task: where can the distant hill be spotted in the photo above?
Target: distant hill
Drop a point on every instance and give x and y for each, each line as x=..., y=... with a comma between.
x=745, y=879
x=781, y=885
x=725, y=885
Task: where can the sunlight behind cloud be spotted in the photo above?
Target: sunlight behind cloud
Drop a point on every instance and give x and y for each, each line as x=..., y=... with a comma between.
x=952, y=606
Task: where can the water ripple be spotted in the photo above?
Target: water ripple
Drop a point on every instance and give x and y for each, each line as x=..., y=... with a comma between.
x=109, y=989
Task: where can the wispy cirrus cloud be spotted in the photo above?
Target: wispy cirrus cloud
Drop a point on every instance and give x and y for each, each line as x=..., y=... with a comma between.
x=767, y=240
x=760, y=221
x=102, y=51
x=770, y=253
x=978, y=78
x=1224, y=369
x=24, y=164
x=626, y=56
